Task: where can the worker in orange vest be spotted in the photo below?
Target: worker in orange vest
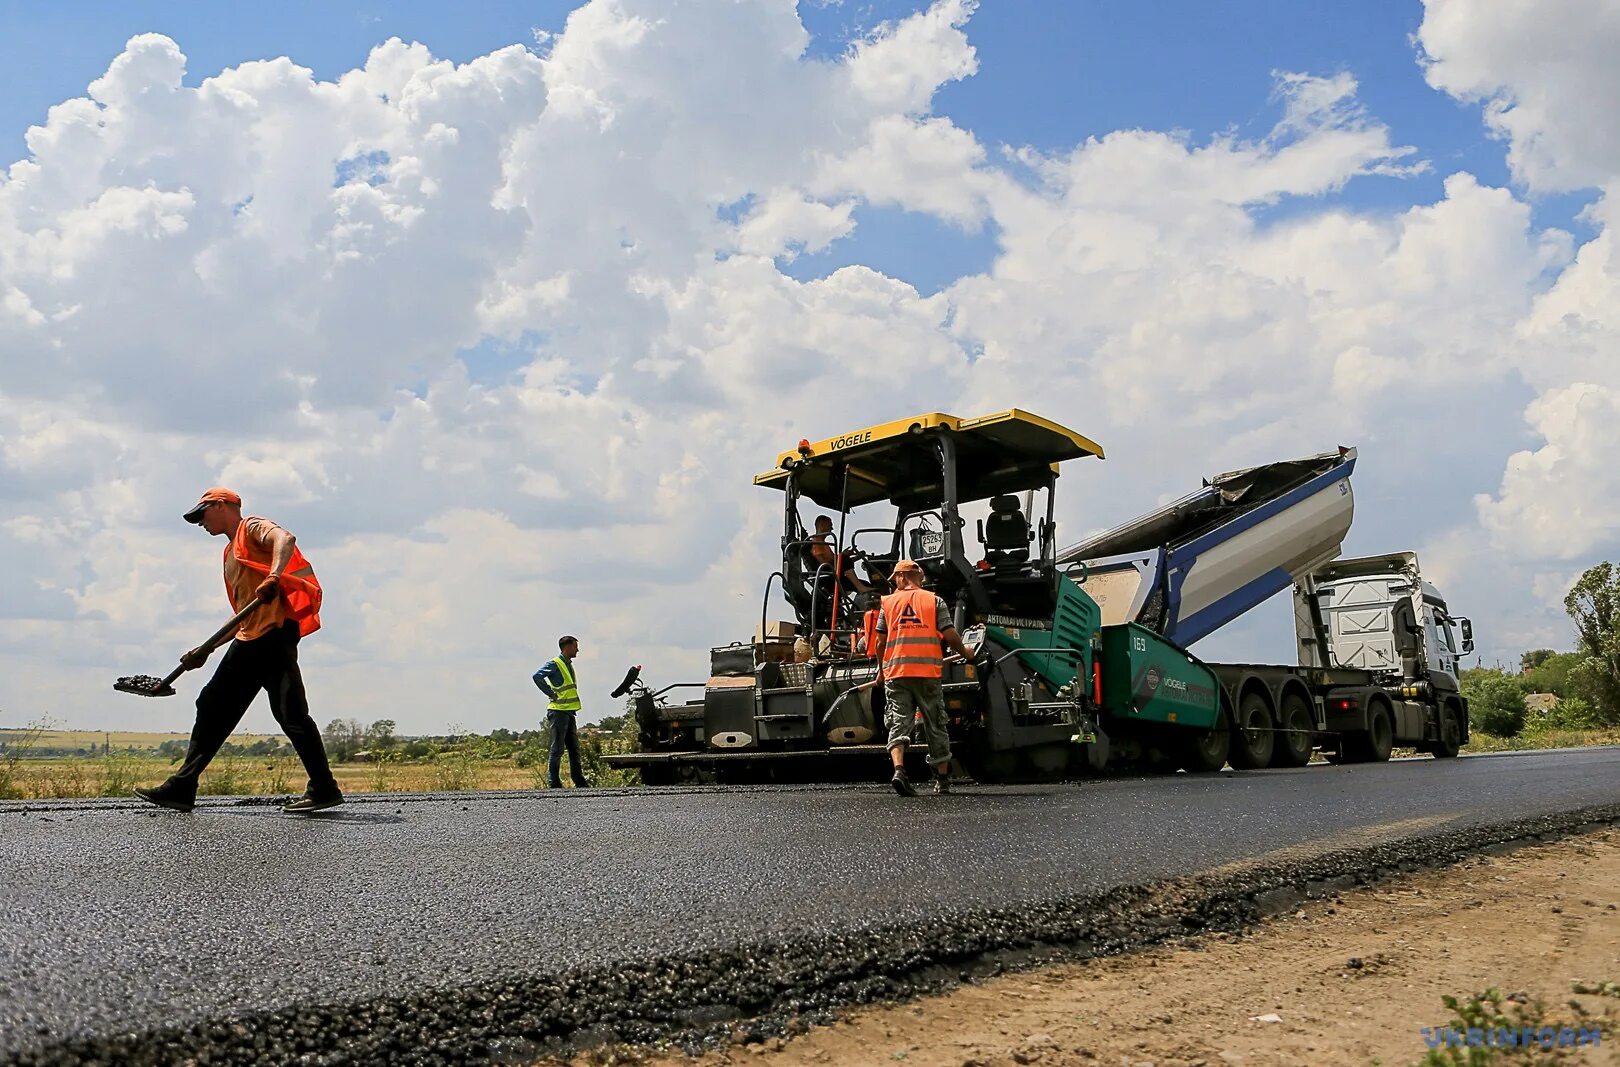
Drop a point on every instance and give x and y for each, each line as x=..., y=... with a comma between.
x=261, y=560
x=912, y=626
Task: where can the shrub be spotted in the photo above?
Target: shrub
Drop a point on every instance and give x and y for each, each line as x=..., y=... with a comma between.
x=276, y=781
x=121, y=772
x=382, y=777
x=1590, y=682
x=457, y=768
x=1495, y=702
x=64, y=780
x=225, y=777
x=1571, y=713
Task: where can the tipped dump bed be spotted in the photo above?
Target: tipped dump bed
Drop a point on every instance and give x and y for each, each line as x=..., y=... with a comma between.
x=1191, y=567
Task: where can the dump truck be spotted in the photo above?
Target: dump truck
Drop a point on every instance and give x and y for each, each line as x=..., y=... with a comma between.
x=1080, y=659
x=1378, y=649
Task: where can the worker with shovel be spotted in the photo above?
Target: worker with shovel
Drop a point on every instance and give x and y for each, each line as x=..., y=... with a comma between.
x=262, y=566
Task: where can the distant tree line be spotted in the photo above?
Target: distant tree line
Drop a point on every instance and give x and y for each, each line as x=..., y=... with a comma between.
x=348, y=740
x=1585, y=682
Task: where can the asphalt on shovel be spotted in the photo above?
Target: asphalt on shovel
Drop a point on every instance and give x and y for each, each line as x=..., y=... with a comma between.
x=144, y=685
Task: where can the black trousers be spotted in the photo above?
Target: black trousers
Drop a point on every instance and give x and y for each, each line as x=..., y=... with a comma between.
x=564, y=734
x=269, y=663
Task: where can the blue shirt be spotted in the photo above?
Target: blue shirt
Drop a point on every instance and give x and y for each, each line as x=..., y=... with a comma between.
x=547, y=676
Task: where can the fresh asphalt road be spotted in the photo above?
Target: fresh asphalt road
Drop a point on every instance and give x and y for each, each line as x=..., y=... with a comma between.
x=117, y=917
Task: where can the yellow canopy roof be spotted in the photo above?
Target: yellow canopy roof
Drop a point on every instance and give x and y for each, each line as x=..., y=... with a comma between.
x=1006, y=452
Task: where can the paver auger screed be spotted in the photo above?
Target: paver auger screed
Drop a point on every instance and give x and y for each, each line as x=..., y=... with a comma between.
x=1080, y=659
x=145, y=685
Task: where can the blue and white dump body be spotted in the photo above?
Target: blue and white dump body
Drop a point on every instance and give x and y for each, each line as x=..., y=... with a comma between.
x=1193, y=566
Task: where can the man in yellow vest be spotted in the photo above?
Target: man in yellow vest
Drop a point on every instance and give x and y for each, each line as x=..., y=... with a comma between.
x=911, y=627
x=556, y=680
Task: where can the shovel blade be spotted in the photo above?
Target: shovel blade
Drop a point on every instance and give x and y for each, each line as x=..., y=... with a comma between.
x=144, y=685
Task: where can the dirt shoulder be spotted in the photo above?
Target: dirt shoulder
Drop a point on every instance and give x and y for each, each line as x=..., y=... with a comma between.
x=1352, y=979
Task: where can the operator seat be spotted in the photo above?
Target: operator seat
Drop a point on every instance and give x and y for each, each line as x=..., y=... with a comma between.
x=1013, y=585
x=1006, y=532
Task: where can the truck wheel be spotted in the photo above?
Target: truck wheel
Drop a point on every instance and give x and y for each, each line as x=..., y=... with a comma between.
x=1450, y=733
x=1205, y=751
x=1373, y=744
x=1252, y=737
x=1297, y=734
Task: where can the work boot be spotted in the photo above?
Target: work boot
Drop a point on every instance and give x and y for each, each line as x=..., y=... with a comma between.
x=168, y=796
x=314, y=800
x=902, y=784
x=582, y=783
x=942, y=784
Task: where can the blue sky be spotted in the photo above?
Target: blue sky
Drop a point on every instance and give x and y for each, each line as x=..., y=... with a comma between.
x=1051, y=74
x=482, y=369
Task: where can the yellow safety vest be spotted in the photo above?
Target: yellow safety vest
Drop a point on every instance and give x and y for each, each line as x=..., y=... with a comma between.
x=567, y=698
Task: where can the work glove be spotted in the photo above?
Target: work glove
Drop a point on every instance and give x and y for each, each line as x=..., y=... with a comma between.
x=269, y=589
x=193, y=659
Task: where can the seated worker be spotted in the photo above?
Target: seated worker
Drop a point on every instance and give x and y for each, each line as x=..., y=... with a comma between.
x=822, y=555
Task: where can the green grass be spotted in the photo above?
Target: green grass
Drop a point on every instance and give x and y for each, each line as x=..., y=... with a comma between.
x=1533, y=737
x=1485, y=1015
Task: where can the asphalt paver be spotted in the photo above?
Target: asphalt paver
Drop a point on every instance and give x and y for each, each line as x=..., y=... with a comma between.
x=117, y=919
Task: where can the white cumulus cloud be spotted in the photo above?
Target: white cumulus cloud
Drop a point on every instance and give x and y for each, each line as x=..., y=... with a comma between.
x=503, y=342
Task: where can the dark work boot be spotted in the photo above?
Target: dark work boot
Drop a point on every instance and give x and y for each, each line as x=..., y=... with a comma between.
x=902, y=784
x=942, y=784
x=314, y=800
x=169, y=795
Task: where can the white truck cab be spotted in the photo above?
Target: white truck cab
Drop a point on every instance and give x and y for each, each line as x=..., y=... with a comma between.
x=1377, y=613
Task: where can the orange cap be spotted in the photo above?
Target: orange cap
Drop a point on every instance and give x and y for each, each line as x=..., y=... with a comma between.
x=216, y=495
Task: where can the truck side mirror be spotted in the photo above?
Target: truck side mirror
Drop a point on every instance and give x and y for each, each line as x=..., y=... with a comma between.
x=1467, y=627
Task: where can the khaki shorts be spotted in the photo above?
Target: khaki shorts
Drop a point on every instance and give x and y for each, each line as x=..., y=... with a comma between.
x=906, y=696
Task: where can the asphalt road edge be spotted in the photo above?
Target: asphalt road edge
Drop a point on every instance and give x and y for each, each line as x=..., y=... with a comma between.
x=750, y=993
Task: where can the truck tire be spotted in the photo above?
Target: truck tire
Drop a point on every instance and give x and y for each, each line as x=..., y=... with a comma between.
x=1296, y=733
x=1450, y=733
x=1205, y=751
x=1252, y=734
x=1373, y=744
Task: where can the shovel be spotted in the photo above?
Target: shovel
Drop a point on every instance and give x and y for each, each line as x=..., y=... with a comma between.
x=144, y=685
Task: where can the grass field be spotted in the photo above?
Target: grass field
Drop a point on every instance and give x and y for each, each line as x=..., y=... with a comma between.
x=118, y=739
x=468, y=767
x=116, y=775
x=48, y=765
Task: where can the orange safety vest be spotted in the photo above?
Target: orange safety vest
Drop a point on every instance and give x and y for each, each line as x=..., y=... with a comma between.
x=299, y=586
x=869, y=630
x=912, y=636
